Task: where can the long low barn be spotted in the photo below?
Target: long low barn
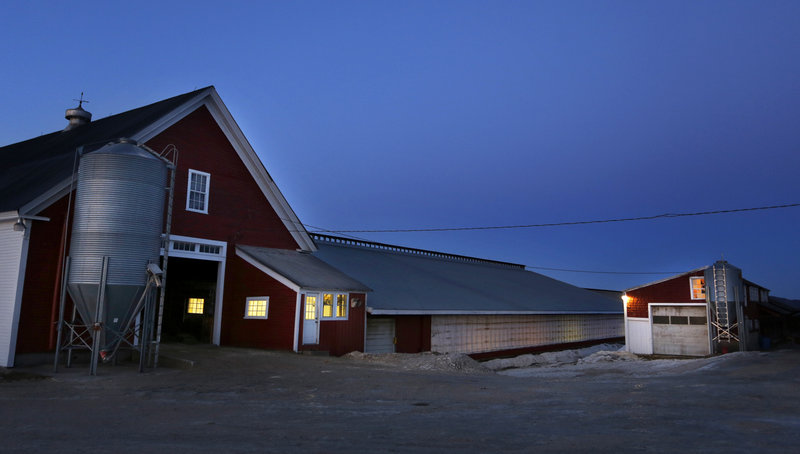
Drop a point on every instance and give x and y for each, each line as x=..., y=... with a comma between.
x=424, y=300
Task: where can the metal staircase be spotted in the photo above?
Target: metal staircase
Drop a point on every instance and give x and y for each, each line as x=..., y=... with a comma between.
x=721, y=315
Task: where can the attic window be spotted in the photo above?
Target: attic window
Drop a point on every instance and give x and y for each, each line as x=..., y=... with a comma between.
x=698, y=285
x=197, y=191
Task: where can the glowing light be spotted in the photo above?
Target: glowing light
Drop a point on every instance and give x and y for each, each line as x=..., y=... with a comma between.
x=626, y=299
x=256, y=308
x=195, y=306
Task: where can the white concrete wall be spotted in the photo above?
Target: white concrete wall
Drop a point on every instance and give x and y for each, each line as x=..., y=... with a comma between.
x=640, y=340
x=486, y=333
x=13, y=251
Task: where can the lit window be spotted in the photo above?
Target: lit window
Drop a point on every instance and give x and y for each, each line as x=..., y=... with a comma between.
x=311, y=307
x=256, y=307
x=698, y=288
x=195, y=306
x=327, y=305
x=197, y=192
x=341, y=306
x=334, y=306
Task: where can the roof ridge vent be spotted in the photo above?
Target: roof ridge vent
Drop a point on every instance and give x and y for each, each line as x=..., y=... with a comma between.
x=408, y=250
x=77, y=116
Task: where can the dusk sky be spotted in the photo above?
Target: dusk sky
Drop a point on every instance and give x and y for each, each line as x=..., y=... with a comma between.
x=438, y=114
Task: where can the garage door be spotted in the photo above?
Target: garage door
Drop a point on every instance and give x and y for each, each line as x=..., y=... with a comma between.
x=680, y=330
x=380, y=335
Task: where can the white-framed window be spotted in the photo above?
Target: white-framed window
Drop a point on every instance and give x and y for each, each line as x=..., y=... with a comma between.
x=256, y=307
x=195, y=306
x=334, y=306
x=197, y=191
x=698, y=287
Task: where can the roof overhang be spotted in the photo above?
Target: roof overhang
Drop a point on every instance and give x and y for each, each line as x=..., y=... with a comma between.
x=283, y=266
x=268, y=271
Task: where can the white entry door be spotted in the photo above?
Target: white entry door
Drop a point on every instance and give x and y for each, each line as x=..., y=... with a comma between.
x=311, y=319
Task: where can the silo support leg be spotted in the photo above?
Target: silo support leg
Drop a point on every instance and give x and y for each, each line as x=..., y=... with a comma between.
x=62, y=301
x=97, y=326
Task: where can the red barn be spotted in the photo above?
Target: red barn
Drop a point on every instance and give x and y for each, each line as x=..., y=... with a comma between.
x=223, y=199
x=242, y=269
x=696, y=313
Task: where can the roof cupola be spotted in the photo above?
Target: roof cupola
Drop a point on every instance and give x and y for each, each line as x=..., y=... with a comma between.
x=77, y=116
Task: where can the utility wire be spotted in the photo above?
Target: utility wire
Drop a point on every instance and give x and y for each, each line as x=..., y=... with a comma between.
x=557, y=224
x=602, y=272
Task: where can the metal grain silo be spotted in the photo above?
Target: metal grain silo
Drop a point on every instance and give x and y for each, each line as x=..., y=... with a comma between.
x=119, y=209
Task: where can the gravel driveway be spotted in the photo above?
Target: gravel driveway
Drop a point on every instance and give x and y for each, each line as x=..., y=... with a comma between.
x=241, y=400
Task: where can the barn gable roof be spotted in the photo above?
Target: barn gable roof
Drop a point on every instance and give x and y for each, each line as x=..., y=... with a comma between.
x=675, y=276
x=36, y=172
x=412, y=281
x=32, y=167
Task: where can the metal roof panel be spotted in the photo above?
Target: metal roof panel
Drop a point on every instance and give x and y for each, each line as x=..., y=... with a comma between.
x=414, y=283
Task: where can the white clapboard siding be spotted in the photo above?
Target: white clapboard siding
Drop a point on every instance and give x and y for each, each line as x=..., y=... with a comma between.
x=486, y=333
x=12, y=249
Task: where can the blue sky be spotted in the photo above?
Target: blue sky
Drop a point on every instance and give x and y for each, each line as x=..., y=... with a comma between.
x=382, y=115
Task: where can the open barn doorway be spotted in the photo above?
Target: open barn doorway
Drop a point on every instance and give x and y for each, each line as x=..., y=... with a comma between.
x=189, y=303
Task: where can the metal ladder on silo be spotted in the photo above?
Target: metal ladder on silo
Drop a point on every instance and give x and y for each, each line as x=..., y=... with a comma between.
x=721, y=319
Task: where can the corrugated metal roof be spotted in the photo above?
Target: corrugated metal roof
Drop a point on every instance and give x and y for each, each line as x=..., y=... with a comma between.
x=30, y=168
x=302, y=269
x=414, y=283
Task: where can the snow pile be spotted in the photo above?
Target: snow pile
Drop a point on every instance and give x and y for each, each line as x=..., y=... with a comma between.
x=457, y=362
x=552, y=358
x=606, y=357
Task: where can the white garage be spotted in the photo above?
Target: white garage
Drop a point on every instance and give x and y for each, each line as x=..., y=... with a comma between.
x=680, y=330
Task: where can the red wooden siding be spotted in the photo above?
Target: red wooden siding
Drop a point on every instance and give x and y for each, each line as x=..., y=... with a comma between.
x=243, y=280
x=413, y=333
x=238, y=212
x=676, y=290
x=342, y=336
x=41, y=290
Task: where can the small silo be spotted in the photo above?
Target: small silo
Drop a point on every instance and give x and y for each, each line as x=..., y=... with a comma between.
x=119, y=214
x=725, y=296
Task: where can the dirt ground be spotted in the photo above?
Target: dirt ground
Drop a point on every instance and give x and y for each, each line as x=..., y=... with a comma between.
x=240, y=400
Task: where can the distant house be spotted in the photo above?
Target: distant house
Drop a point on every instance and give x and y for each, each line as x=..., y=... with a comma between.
x=696, y=313
x=243, y=271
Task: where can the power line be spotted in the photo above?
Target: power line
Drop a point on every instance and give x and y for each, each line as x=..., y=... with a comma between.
x=602, y=272
x=558, y=224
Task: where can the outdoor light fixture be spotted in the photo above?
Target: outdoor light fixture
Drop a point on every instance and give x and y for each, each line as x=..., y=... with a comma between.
x=19, y=226
x=625, y=298
x=355, y=302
